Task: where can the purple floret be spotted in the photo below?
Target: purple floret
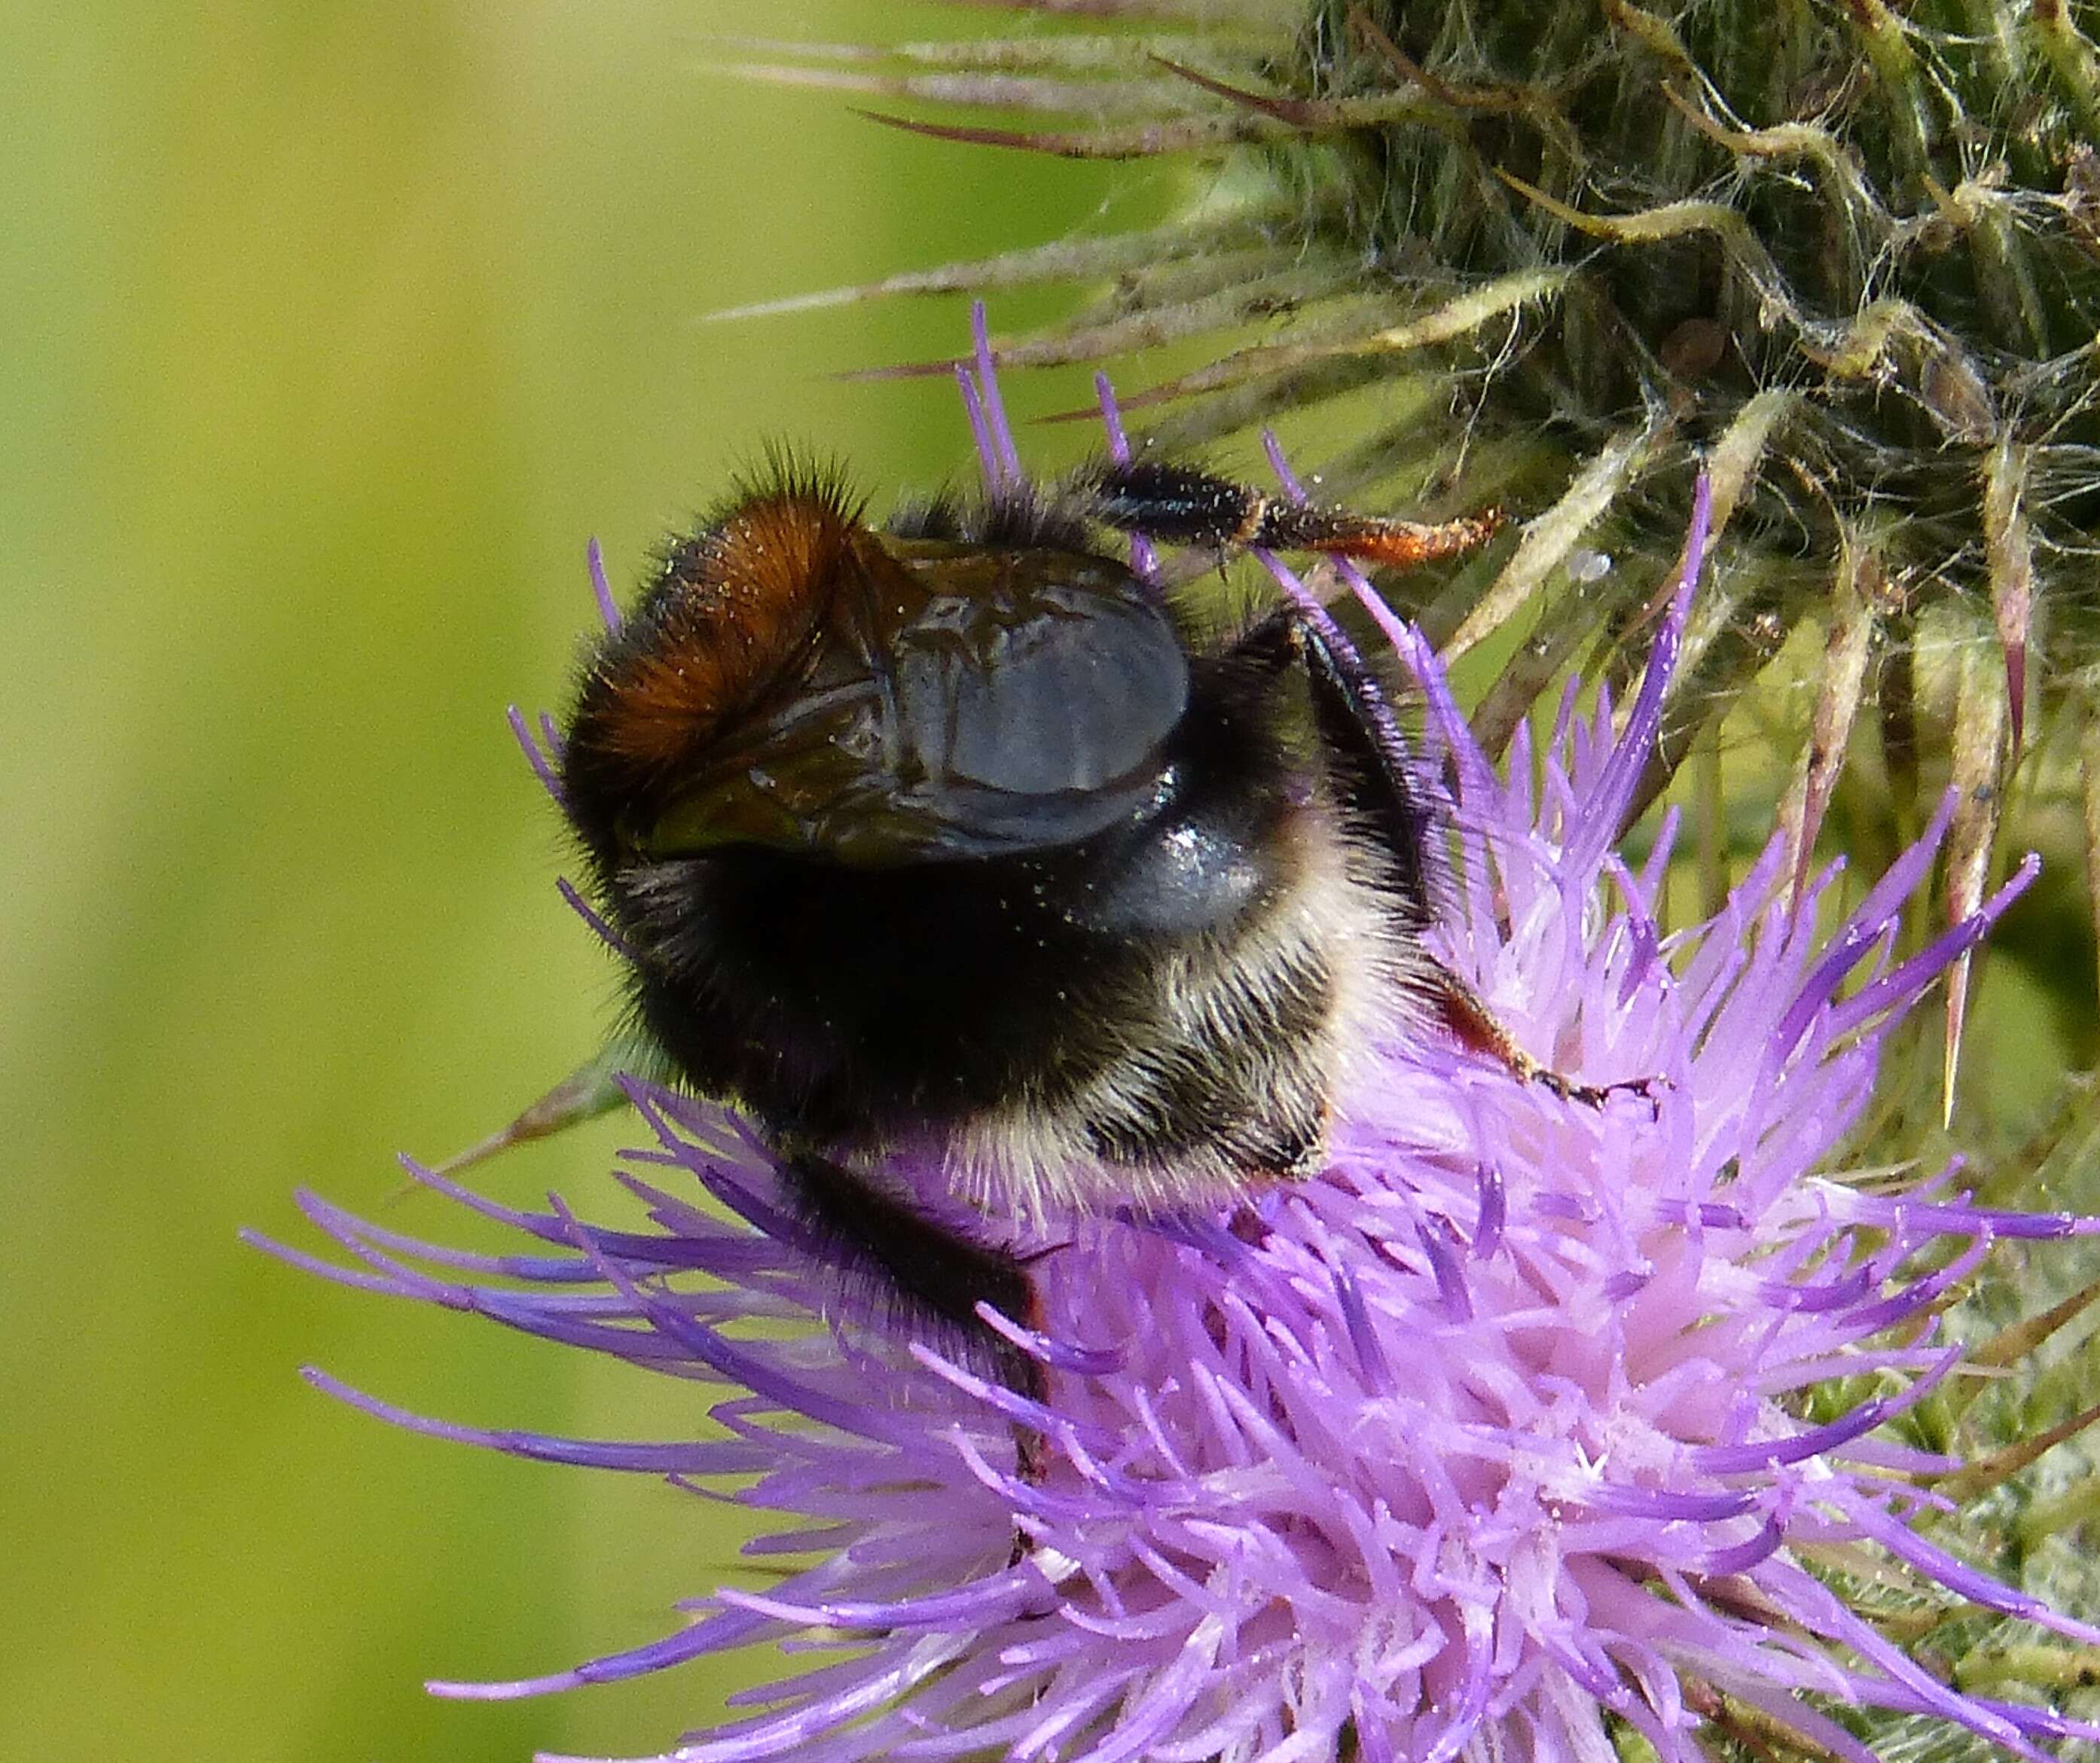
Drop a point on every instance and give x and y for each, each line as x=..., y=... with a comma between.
x=1495, y=1433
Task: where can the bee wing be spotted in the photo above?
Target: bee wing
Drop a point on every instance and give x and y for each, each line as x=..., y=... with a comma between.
x=1063, y=690
x=1029, y=712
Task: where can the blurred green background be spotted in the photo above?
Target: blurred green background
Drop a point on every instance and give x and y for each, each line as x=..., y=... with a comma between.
x=330, y=333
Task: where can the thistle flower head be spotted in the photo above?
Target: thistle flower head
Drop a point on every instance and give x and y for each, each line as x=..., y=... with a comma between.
x=1524, y=1426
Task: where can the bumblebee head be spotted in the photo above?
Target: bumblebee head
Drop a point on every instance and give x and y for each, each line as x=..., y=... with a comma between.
x=730, y=619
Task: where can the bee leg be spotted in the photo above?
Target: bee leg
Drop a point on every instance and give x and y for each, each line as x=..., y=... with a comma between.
x=1359, y=740
x=1362, y=742
x=1471, y=1021
x=934, y=1273
x=1180, y=504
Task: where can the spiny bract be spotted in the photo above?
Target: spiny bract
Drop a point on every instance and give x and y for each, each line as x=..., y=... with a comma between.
x=1850, y=253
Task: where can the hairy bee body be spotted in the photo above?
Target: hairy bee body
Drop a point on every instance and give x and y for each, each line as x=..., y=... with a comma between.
x=952, y=838
x=1151, y=1015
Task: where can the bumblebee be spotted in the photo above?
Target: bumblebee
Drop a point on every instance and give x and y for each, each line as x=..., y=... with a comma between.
x=952, y=836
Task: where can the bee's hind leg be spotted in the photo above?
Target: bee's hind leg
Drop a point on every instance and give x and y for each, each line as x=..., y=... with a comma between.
x=1183, y=504
x=934, y=1273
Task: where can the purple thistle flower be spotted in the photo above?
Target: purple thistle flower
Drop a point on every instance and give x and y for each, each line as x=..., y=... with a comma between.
x=1490, y=1440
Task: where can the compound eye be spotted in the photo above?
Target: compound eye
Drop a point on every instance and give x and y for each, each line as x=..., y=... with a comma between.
x=1062, y=690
